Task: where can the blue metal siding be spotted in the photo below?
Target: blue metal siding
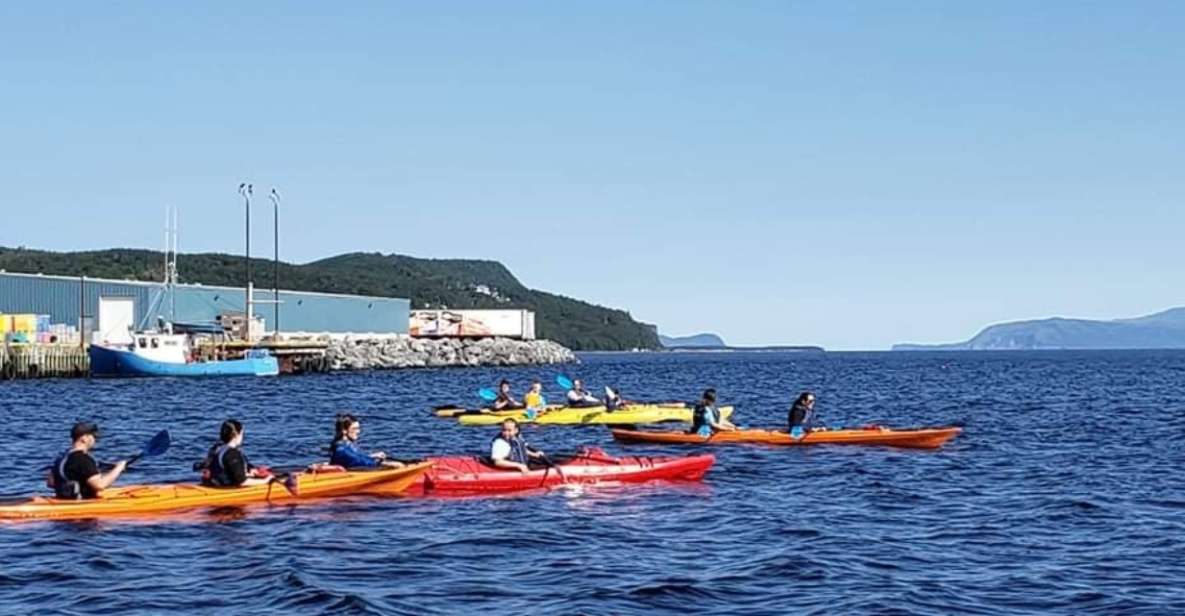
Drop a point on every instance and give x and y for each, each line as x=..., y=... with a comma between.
x=312, y=312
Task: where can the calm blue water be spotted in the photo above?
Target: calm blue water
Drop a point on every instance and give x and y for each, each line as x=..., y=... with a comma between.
x=1064, y=495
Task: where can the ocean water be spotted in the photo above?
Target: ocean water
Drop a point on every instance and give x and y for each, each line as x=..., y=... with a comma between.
x=1065, y=494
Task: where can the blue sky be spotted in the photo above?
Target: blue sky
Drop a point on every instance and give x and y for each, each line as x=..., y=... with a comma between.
x=843, y=174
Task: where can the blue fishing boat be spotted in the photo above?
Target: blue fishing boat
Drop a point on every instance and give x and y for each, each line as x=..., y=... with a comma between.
x=172, y=349
x=170, y=354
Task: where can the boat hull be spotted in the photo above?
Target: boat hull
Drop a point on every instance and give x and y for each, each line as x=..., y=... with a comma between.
x=161, y=499
x=468, y=476
x=111, y=362
x=636, y=414
x=923, y=438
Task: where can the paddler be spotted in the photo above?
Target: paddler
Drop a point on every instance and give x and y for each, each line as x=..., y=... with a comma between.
x=706, y=419
x=534, y=401
x=801, y=418
x=345, y=452
x=613, y=400
x=505, y=401
x=579, y=398
x=75, y=474
x=226, y=466
x=509, y=450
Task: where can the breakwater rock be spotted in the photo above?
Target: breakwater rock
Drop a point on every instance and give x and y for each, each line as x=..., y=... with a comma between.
x=406, y=352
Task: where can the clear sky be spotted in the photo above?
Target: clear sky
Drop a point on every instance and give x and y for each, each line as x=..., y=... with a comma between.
x=844, y=174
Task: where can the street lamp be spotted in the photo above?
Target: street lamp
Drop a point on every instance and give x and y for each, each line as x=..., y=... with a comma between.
x=275, y=197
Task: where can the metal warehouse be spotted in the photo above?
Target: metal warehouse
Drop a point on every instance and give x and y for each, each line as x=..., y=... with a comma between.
x=63, y=298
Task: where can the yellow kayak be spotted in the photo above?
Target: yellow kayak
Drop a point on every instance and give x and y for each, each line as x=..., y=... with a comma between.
x=598, y=415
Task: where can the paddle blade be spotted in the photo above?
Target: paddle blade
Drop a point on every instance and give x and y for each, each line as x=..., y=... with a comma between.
x=563, y=381
x=487, y=394
x=157, y=445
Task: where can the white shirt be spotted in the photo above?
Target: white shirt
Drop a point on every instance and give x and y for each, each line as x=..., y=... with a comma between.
x=500, y=450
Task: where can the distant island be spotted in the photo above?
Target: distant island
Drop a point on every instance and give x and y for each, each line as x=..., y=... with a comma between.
x=697, y=340
x=713, y=342
x=1163, y=330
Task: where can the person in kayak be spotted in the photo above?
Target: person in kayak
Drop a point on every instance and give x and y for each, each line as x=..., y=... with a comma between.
x=226, y=466
x=613, y=400
x=534, y=401
x=75, y=474
x=509, y=450
x=578, y=397
x=706, y=419
x=505, y=401
x=801, y=418
x=345, y=452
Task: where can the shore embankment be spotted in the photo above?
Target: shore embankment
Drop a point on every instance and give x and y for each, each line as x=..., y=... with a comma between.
x=397, y=351
x=320, y=353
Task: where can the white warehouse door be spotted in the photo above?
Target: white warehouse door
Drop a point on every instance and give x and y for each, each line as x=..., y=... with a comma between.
x=117, y=316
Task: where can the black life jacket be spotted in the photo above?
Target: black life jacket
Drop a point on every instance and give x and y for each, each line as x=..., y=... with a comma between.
x=215, y=468
x=63, y=487
x=518, y=449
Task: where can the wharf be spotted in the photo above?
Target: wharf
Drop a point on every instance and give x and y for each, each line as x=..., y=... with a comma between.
x=32, y=361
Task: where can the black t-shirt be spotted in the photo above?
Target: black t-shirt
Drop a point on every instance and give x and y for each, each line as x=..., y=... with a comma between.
x=80, y=467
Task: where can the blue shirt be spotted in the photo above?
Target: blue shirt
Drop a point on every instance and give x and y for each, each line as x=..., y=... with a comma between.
x=347, y=454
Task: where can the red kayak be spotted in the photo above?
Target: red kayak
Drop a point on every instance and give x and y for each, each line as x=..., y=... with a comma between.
x=471, y=475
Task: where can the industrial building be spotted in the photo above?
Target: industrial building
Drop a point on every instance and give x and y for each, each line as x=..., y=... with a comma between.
x=80, y=300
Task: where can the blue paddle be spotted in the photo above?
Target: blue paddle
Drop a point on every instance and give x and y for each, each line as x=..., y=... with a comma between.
x=155, y=446
x=487, y=394
x=564, y=381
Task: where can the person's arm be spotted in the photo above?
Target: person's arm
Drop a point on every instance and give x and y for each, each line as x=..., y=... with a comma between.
x=101, y=481
x=504, y=463
x=721, y=424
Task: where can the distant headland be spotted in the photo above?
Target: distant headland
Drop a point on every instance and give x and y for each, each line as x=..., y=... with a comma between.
x=1163, y=330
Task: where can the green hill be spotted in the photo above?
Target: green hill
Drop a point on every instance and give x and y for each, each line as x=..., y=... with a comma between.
x=456, y=283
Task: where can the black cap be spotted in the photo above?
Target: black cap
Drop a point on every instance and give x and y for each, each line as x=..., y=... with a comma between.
x=83, y=428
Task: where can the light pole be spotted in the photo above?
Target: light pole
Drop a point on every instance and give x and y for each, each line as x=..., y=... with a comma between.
x=246, y=191
x=275, y=197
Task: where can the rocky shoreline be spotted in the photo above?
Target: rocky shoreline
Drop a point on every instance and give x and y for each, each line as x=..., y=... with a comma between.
x=393, y=352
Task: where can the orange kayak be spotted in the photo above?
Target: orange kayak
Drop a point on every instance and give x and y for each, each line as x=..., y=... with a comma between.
x=921, y=438
x=164, y=498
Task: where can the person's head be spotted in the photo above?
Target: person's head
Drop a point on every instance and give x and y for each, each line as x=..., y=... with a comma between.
x=578, y=384
x=347, y=427
x=85, y=434
x=504, y=386
x=231, y=433
x=805, y=398
x=536, y=386
x=509, y=429
x=710, y=396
